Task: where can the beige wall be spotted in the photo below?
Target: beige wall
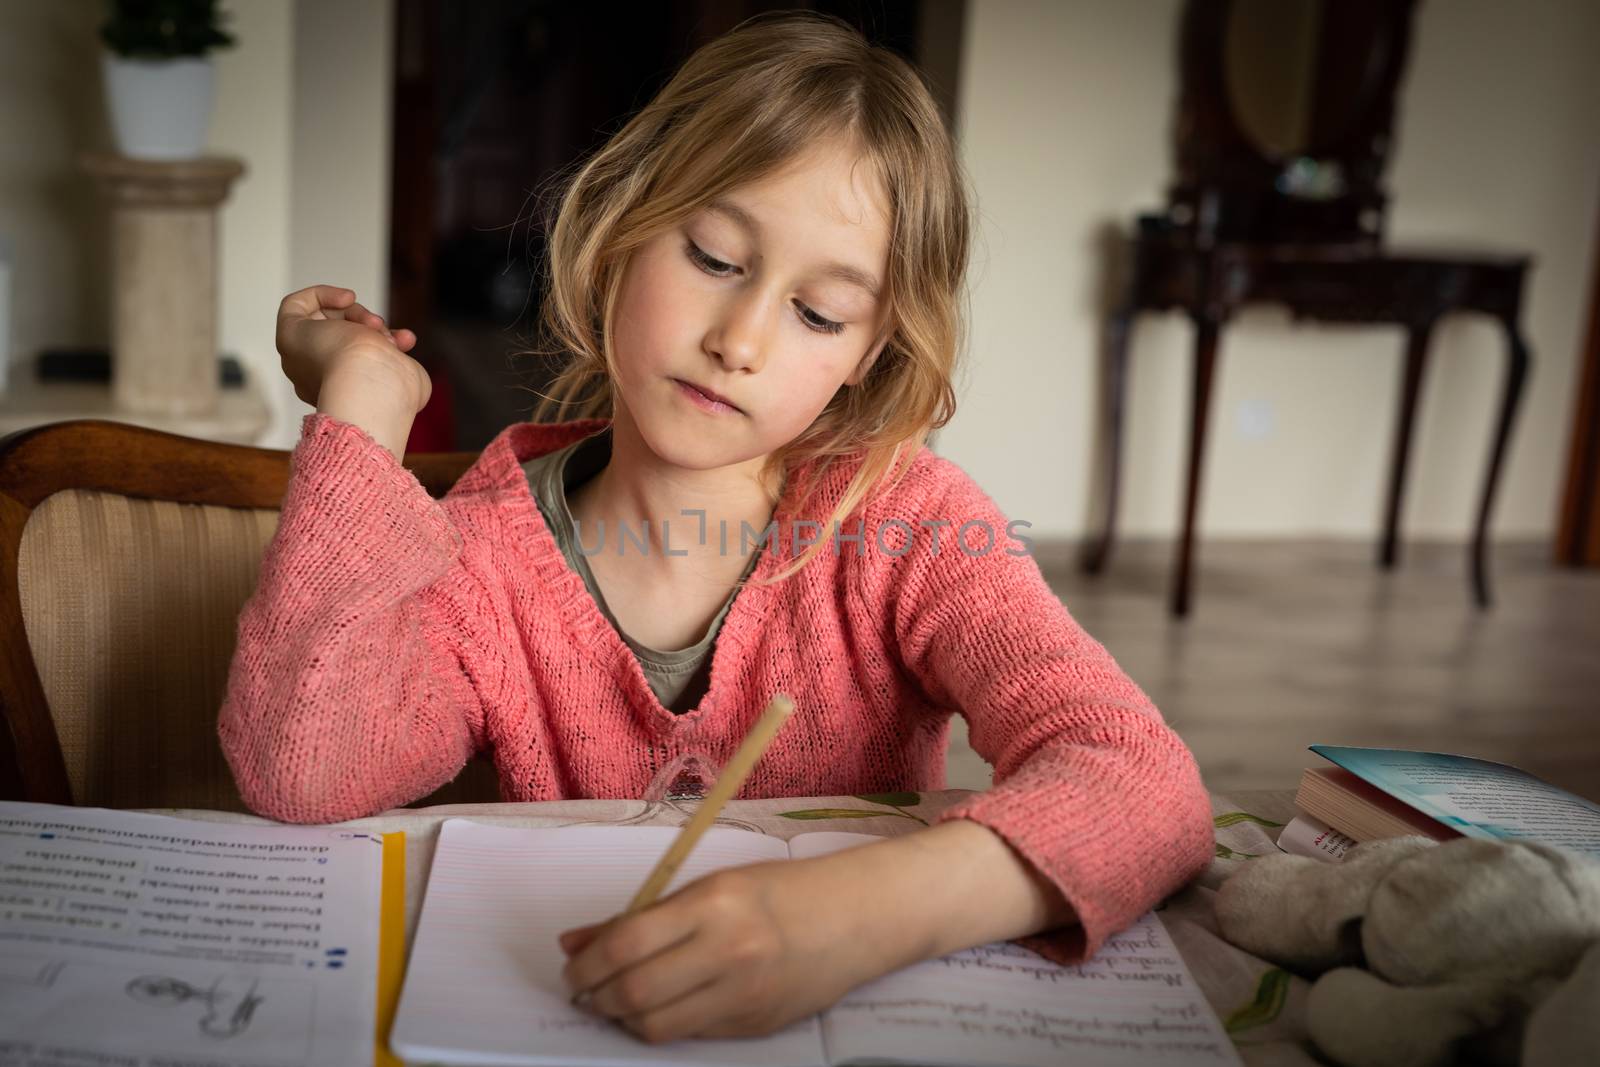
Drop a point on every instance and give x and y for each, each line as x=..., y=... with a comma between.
x=303, y=99
x=50, y=110
x=253, y=119
x=342, y=94
x=1065, y=120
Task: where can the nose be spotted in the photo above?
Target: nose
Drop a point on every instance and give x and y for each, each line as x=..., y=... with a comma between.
x=737, y=337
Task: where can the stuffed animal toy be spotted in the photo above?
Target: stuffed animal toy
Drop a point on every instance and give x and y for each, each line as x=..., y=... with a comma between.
x=1431, y=954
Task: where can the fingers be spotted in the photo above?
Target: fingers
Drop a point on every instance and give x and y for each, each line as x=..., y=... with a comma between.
x=656, y=983
x=314, y=302
x=718, y=1008
x=698, y=1012
x=365, y=317
x=357, y=313
x=305, y=302
x=622, y=944
x=574, y=941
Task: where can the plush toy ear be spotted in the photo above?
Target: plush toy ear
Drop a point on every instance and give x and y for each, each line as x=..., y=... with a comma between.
x=1304, y=913
x=1359, y=1020
x=1496, y=908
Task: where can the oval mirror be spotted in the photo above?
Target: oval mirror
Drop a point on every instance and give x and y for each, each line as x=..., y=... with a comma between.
x=1300, y=73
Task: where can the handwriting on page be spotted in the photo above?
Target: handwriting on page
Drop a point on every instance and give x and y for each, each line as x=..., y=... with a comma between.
x=1144, y=962
x=1134, y=1003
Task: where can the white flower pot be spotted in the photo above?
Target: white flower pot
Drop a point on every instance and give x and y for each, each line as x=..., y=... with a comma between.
x=160, y=108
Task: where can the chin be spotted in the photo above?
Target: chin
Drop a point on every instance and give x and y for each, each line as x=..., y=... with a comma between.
x=682, y=443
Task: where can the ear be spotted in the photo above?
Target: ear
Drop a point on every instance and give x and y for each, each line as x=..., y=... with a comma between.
x=856, y=376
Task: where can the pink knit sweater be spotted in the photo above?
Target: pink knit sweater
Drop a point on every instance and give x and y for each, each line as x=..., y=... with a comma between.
x=392, y=636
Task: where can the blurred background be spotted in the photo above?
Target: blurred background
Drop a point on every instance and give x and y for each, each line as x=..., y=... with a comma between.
x=399, y=147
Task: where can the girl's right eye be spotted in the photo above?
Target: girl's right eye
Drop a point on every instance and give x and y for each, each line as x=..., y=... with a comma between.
x=714, y=267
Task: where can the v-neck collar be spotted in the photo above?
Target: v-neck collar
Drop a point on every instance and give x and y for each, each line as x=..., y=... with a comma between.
x=553, y=477
x=593, y=633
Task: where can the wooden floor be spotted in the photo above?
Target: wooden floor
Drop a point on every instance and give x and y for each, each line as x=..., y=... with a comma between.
x=1292, y=643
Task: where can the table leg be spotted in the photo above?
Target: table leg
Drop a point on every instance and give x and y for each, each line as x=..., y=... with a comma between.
x=1207, y=331
x=1410, y=389
x=1114, y=390
x=1518, y=360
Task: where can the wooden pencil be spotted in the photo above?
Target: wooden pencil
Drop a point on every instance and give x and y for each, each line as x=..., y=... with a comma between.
x=732, y=777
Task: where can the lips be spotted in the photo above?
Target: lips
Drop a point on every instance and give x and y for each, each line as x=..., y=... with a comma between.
x=718, y=397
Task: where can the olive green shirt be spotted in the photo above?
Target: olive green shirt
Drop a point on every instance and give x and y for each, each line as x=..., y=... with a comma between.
x=678, y=677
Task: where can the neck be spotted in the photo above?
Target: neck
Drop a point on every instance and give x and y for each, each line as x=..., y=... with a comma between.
x=639, y=489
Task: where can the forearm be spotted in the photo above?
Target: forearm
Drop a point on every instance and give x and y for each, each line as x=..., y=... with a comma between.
x=346, y=693
x=945, y=888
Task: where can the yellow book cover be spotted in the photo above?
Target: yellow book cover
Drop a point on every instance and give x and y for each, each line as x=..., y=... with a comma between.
x=391, y=944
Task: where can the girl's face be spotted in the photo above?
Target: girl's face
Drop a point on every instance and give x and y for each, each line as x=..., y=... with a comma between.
x=768, y=298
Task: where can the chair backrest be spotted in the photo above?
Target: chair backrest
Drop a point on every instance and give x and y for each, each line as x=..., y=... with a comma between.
x=125, y=557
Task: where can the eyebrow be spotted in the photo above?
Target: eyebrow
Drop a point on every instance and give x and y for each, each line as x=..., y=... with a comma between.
x=839, y=271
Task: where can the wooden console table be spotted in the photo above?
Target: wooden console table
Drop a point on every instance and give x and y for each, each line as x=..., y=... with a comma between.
x=1329, y=282
x=1283, y=130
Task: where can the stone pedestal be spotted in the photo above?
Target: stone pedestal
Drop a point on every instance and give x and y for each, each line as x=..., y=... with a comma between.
x=164, y=280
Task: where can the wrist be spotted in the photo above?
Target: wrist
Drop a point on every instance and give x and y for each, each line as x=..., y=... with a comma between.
x=368, y=394
x=878, y=903
x=861, y=922
x=952, y=886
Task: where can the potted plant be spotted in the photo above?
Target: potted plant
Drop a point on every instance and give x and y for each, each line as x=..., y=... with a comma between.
x=158, y=75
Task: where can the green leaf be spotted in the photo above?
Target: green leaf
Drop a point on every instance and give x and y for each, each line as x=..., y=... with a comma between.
x=1226, y=853
x=894, y=800
x=1272, y=992
x=1234, y=817
x=835, y=813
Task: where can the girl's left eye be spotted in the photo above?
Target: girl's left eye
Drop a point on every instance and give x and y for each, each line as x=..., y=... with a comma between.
x=817, y=322
x=718, y=269
x=707, y=263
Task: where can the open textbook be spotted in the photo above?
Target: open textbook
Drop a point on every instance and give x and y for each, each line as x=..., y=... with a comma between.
x=484, y=982
x=143, y=940
x=1460, y=795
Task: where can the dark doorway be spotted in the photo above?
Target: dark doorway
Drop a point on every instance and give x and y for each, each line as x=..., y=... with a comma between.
x=493, y=101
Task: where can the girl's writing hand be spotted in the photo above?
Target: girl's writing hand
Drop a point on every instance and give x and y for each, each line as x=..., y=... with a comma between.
x=324, y=334
x=745, y=951
x=738, y=953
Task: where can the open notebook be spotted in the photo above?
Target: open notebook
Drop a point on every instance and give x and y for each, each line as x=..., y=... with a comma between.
x=484, y=982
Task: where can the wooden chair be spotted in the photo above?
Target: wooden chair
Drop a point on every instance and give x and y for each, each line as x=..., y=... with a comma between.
x=126, y=555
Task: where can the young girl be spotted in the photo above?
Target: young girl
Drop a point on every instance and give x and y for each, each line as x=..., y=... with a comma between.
x=757, y=280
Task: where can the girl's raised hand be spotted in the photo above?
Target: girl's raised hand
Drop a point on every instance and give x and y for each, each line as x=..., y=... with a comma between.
x=322, y=330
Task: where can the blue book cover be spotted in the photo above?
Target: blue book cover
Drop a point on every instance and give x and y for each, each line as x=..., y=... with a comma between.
x=1477, y=797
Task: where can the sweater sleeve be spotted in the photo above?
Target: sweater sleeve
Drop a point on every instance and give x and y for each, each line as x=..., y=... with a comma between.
x=355, y=682
x=1090, y=785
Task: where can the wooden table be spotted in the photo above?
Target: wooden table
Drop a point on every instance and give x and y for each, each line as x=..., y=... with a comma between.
x=1332, y=282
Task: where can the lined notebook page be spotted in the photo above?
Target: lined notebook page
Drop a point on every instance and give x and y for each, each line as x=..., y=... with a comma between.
x=484, y=982
x=1134, y=1005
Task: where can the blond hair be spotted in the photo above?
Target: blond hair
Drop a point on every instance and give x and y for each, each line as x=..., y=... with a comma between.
x=740, y=108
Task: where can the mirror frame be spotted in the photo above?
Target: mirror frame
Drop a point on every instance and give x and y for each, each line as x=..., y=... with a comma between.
x=1220, y=168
